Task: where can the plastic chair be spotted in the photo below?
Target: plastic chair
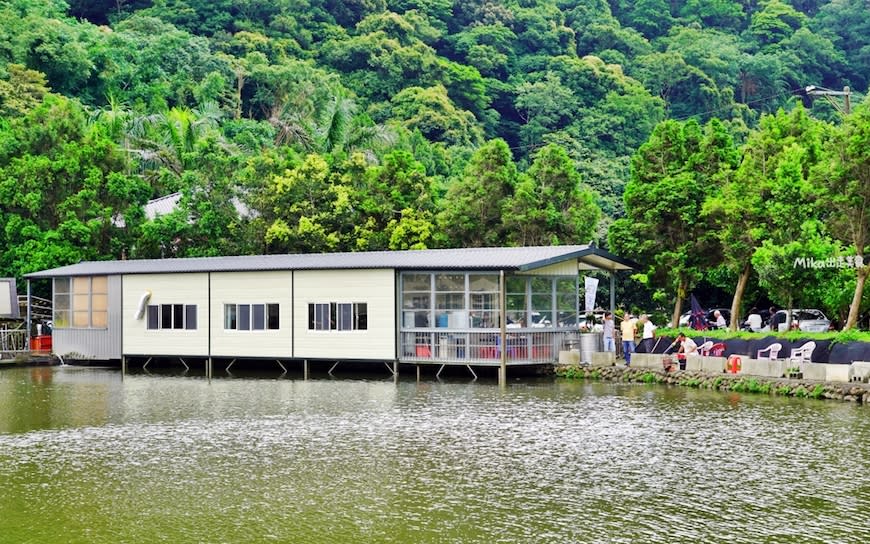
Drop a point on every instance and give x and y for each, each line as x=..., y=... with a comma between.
x=771, y=352
x=802, y=354
x=716, y=350
x=704, y=349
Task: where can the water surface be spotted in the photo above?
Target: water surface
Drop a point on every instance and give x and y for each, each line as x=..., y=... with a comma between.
x=89, y=457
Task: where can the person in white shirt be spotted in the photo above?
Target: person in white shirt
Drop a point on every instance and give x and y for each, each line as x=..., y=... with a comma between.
x=687, y=347
x=649, y=333
x=719, y=320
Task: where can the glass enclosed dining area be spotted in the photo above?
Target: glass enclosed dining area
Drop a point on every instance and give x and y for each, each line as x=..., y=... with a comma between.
x=462, y=317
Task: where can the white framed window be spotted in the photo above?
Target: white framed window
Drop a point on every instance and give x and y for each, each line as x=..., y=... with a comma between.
x=252, y=317
x=172, y=316
x=337, y=316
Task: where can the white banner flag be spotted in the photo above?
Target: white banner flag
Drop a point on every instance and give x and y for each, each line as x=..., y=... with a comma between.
x=591, y=290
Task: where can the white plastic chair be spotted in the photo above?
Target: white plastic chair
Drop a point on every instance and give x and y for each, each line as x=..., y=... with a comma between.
x=704, y=349
x=771, y=352
x=802, y=354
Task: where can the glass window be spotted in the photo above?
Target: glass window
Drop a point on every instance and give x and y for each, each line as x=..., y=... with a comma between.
x=258, y=316
x=230, y=317
x=450, y=282
x=321, y=317
x=361, y=315
x=171, y=316
x=483, y=283
x=177, y=316
x=81, y=302
x=244, y=317
x=273, y=311
x=450, y=301
x=166, y=316
x=515, y=284
x=190, y=317
x=416, y=282
x=345, y=317
x=416, y=300
x=153, y=317
x=338, y=316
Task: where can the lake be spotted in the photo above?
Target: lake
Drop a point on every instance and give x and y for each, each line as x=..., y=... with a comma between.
x=90, y=456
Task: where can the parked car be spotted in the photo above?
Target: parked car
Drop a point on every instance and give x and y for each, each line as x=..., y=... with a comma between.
x=805, y=319
x=686, y=317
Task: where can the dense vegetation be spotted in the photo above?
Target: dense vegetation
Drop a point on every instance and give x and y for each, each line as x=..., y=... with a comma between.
x=677, y=133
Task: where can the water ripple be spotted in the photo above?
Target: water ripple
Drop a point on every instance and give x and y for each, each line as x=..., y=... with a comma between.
x=180, y=459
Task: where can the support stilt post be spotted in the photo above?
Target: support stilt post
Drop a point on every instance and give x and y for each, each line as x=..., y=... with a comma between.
x=502, y=369
x=305, y=369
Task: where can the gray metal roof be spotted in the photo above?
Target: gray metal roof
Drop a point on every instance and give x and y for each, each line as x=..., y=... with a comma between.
x=486, y=258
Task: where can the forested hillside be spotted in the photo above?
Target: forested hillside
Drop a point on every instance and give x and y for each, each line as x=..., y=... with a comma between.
x=334, y=125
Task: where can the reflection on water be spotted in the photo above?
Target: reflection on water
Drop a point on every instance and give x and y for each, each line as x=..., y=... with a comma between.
x=99, y=459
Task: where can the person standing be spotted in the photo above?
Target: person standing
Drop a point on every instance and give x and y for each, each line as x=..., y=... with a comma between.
x=649, y=333
x=719, y=319
x=628, y=334
x=607, y=333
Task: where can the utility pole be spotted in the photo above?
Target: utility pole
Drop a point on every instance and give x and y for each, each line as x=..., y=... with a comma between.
x=846, y=93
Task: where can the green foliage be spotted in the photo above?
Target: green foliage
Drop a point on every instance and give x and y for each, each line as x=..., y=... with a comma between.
x=549, y=206
x=817, y=392
x=369, y=124
x=751, y=385
x=783, y=390
x=647, y=377
x=680, y=165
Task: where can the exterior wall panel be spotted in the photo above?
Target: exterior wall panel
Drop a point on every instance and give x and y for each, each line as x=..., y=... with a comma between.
x=567, y=268
x=376, y=288
x=96, y=344
x=165, y=289
x=252, y=288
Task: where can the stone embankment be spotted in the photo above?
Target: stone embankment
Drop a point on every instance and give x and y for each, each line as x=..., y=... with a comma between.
x=788, y=387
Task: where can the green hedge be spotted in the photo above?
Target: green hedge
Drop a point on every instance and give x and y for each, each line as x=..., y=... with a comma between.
x=724, y=334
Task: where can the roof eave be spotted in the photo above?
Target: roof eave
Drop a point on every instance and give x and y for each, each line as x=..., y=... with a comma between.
x=616, y=262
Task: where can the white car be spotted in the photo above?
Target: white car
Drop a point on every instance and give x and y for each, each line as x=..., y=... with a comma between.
x=805, y=319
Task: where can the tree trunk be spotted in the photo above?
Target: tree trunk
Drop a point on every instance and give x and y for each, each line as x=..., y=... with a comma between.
x=742, y=280
x=856, y=298
x=678, y=303
x=788, y=314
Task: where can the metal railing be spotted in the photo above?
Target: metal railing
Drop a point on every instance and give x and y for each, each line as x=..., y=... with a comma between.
x=13, y=341
x=522, y=346
x=40, y=308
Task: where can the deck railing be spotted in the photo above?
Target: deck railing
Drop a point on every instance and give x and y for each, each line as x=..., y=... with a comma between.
x=13, y=341
x=522, y=346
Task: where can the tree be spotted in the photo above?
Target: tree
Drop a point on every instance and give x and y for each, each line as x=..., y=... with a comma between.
x=393, y=202
x=21, y=91
x=769, y=197
x=672, y=174
x=308, y=206
x=63, y=190
x=549, y=206
x=436, y=117
x=775, y=22
x=782, y=270
x=845, y=175
x=471, y=213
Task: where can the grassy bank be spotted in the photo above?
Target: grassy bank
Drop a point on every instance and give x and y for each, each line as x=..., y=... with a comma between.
x=853, y=392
